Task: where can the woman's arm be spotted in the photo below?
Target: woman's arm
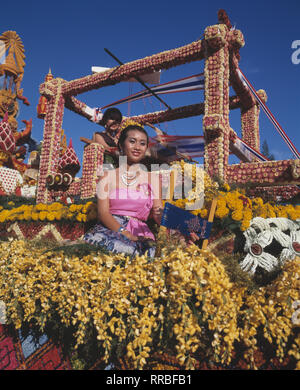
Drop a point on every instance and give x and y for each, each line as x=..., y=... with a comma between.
x=104, y=215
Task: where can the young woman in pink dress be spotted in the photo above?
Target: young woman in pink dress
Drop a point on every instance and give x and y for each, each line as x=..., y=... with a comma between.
x=127, y=197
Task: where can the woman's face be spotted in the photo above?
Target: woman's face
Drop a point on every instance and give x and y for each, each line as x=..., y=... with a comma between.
x=135, y=146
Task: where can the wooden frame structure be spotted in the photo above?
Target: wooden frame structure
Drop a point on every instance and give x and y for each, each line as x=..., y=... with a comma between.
x=220, y=50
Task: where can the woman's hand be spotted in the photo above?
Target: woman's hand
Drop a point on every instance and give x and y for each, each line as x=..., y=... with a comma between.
x=131, y=237
x=157, y=214
x=193, y=237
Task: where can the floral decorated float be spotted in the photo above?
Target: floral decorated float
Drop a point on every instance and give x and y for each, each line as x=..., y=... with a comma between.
x=233, y=305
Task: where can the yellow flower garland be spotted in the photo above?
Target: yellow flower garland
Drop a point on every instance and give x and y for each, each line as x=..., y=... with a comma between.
x=184, y=291
x=52, y=212
x=234, y=204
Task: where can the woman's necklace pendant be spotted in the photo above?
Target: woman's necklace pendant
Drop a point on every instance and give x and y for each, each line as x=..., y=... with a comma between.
x=126, y=176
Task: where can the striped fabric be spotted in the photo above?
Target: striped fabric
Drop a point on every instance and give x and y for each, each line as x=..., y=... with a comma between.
x=193, y=146
x=247, y=151
x=270, y=115
x=191, y=83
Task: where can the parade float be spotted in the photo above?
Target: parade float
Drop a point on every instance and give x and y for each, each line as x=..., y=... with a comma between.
x=233, y=305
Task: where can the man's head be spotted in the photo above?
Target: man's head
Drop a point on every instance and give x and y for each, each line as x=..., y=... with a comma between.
x=111, y=119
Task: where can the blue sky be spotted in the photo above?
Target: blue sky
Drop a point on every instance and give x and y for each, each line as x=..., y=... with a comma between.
x=70, y=37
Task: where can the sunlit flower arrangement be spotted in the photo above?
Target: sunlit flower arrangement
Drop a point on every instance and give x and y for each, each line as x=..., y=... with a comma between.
x=93, y=157
x=234, y=208
x=284, y=172
x=263, y=232
x=183, y=302
x=250, y=123
x=52, y=133
x=216, y=112
x=50, y=212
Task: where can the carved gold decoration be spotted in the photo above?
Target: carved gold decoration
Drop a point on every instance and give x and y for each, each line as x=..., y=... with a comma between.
x=14, y=62
x=12, y=71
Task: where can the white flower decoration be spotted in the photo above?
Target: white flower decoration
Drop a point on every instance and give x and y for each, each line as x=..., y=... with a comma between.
x=293, y=249
x=260, y=234
x=255, y=244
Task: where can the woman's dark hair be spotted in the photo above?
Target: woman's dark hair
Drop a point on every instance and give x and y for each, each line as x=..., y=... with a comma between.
x=112, y=113
x=124, y=133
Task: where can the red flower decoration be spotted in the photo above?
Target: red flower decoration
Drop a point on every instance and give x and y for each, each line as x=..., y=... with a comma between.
x=256, y=249
x=296, y=246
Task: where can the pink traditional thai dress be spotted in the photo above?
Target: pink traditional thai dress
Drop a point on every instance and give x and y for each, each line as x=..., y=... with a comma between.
x=131, y=208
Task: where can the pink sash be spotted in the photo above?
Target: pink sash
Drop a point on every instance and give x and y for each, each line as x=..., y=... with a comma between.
x=136, y=205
